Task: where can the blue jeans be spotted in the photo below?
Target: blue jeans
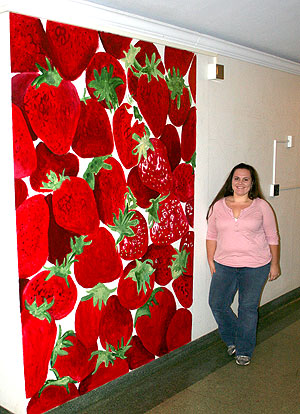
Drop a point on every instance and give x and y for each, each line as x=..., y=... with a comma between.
x=226, y=281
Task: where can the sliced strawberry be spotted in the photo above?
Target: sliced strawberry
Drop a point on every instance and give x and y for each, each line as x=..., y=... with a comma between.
x=88, y=314
x=140, y=51
x=27, y=43
x=71, y=48
x=19, y=86
x=105, y=373
x=178, y=59
x=171, y=140
x=183, y=289
x=53, y=108
x=115, y=44
x=133, y=230
x=168, y=221
x=109, y=186
x=192, y=77
x=123, y=131
x=93, y=137
x=42, y=287
x=70, y=357
x=24, y=151
x=189, y=211
x=73, y=202
x=161, y=257
x=52, y=394
x=138, y=355
x=106, y=80
x=188, y=136
x=32, y=235
x=99, y=262
x=154, y=167
x=39, y=333
x=116, y=324
x=136, y=284
x=152, y=320
x=183, y=182
x=21, y=192
x=180, y=329
x=48, y=161
x=187, y=243
x=142, y=193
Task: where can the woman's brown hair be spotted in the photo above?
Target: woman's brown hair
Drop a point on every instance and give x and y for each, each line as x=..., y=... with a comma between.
x=226, y=190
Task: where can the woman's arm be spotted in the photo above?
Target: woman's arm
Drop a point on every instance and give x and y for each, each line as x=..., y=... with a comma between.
x=275, y=268
x=211, y=246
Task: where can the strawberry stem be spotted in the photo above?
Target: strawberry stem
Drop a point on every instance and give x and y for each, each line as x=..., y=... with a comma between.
x=94, y=167
x=141, y=274
x=145, y=309
x=110, y=354
x=59, y=382
x=176, y=85
x=61, y=342
x=99, y=293
x=192, y=161
x=144, y=144
x=40, y=312
x=179, y=263
x=150, y=69
x=50, y=77
x=55, y=181
x=154, y=208
x=130, y=56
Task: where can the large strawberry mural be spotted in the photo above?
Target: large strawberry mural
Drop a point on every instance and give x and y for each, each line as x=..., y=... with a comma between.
x=104, y=133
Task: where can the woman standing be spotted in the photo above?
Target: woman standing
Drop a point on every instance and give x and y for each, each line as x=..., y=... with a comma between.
x=242, y=252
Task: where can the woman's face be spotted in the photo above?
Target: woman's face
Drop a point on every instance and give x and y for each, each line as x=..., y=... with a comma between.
x=241, y=182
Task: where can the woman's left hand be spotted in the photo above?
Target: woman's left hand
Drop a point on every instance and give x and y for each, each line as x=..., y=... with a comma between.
x=274, y=272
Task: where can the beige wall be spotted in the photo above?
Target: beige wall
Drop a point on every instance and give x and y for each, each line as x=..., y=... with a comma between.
x=238, y=119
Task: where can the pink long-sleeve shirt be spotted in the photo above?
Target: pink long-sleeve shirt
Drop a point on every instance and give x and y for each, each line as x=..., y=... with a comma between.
x=243, y=242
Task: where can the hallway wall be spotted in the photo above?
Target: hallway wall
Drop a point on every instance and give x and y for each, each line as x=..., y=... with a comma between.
x=238, y=120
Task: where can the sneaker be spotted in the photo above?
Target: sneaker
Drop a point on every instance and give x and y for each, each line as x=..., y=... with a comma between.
x=242, y=360
x=231, y=350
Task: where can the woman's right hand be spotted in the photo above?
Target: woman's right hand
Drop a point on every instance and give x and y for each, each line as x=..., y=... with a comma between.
x=212, y=267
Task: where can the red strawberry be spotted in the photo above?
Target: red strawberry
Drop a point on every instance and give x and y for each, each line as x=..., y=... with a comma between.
x=47, y=161
x=138, y=355
x=171, y=140
x=99, y=262
x=109, y=186
x=27, y=43
x=189, y=211
x=53, y=108
x=192, y=77
x=93, y=137
x=73, y=203
x=154, y=167
x=114, y=44
x=63, y=291
x=106, y=80
x=141, y=50
x=88, y=314
x=178, y=59
x=133, y=231
x=19, y=86
x=70, y=357
x=104, y=374
x=183, y=289
x=39, y=333
x=153, y=96
x=188, y=136
x=116, y=324
x=180, y=329
x=32, y=235
x=52, y=394
x=59, y=239
x=178, y=112
x=168, y=221
x=183, y=182
x=142, y=193
x=71, y=48
x=187, y=243
x=152, y=320
x=123, y=131
x=24, y=151
x=21, y=192
x=162, y=257
x=136, y=284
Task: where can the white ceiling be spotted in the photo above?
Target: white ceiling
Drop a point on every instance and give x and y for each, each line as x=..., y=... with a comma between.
x=271, y=26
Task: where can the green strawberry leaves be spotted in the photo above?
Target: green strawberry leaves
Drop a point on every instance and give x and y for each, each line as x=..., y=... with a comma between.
x=61, y=342
x=110, y=354
x=94, y=167
x=145, y=309
x=40, y=312
x=154, y=208
x=99, y=293
x=50, y=77
x=59, y=382
x=179, y=263
x=141, y=274
x=176, y=84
